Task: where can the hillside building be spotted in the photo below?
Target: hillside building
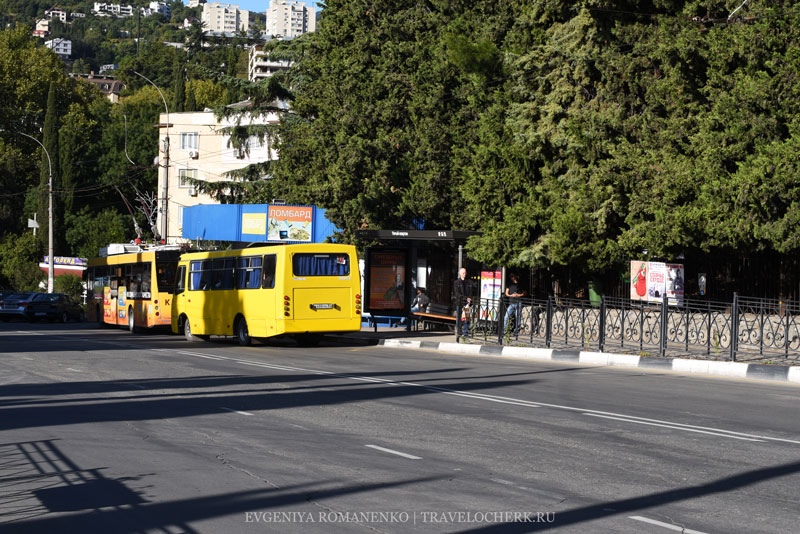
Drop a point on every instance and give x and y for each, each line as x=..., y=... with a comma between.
x=224, y=18
x=199, y=151
x=290, y=18
x=260, y=65
x=62, y=47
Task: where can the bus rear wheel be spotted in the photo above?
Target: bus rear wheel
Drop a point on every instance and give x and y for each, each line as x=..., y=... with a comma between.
x=132, y=328
x=242, y=333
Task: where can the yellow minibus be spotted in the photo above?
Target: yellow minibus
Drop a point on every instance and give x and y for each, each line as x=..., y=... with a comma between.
x=299, y=290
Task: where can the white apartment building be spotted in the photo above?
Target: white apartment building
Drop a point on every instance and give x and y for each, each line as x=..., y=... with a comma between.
x=62, y=47
x=260, y=66
x=290, y=18
x=112, y=10
x=196, y=3
x=156, y=8
x=56, y=14
x=224, y=18
x=199, y=151
x=42, y=28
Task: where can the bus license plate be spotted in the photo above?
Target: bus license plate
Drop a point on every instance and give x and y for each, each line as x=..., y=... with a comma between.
x=322, y=306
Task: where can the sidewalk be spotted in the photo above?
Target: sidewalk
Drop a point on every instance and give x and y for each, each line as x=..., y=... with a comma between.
x=399, y=337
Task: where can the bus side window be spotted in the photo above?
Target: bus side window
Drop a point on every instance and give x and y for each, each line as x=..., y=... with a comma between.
x=268, y=281
x=180, y=280
x=196, y=280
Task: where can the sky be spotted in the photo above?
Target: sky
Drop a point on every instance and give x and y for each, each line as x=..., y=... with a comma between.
x=259, y=6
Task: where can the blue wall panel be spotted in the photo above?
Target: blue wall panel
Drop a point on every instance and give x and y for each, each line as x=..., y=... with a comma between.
x=223, y=222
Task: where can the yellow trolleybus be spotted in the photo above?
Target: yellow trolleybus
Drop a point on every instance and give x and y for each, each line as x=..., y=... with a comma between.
x=131, y=285
x=302, y=290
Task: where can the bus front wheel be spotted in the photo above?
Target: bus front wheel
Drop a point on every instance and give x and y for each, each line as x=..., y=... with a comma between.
x=187, y=332
x=242, y=333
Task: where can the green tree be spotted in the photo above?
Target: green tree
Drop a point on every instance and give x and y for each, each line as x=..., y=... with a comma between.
x=69, y=284
x=20, y=262
x=178, y=89
x=87, y=232
x=50, y=175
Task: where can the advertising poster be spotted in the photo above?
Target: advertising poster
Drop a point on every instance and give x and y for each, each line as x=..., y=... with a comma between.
x=651, y=280
x=490, y=284
x=675, y=278
x=491, y=288
x=656, y=281
x=639, y=280
x=387, y=274
x=254, y=223
x=290, y=223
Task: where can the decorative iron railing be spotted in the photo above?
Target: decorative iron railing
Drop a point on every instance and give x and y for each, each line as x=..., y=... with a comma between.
x=744, y=329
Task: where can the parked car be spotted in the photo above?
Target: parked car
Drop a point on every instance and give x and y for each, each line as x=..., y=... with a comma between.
x=54, y=306
x=15, y=305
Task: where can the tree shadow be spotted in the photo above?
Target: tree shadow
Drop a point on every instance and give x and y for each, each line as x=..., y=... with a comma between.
x=584, y=514
x=46, y=492
x=211, y=401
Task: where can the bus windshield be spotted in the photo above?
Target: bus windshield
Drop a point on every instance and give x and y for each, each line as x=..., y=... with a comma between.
x=321, y=264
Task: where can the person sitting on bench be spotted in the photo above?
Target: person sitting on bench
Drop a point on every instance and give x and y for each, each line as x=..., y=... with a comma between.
x=420, y=303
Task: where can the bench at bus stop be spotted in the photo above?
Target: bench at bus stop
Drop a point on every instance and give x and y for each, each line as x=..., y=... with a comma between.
x=390, y=320
x=433, y=314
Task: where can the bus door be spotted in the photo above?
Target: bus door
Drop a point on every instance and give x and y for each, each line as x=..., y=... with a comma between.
x=179, y=300
x=116, y=287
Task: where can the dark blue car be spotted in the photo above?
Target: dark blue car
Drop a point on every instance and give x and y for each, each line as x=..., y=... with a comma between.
x=54, y=307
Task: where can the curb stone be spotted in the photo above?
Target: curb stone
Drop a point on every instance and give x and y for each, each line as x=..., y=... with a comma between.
x=755, y=371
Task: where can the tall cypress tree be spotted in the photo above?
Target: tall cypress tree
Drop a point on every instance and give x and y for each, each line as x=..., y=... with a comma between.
x=50, y=142
x=191, y=101
x=178, y=89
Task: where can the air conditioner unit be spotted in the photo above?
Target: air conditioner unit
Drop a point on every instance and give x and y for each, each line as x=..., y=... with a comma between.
x=192, y=192
x=193, y=154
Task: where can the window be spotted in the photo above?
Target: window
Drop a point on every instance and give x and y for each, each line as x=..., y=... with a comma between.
x=180, y=280
x=248, y=272
x=268, y=280
x=222, y=275
x=321, y=264
x=200, y=275
x=189, y=140
x=183, y=177
x=165, y=275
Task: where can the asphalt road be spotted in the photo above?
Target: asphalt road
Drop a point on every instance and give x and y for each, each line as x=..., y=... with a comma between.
x=102, y=431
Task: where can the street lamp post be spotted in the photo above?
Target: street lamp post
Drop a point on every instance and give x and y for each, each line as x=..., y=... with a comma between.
x=165, y=187
x=50, y=277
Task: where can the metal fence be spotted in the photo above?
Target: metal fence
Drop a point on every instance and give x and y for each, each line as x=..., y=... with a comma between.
x=745, y=329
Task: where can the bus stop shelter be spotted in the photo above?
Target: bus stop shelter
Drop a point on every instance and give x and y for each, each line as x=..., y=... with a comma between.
x=401, y=261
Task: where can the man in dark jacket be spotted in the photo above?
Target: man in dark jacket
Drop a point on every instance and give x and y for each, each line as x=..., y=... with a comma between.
x=463, y=291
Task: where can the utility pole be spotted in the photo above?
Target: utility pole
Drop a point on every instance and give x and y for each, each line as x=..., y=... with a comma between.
x=50, y=271
x=165, y=186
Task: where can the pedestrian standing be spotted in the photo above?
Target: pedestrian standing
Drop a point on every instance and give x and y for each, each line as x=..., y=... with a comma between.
x=463, y=291
x=514, y=294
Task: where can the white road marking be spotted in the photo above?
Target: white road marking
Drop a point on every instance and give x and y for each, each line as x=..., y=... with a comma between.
x=486, y=397
x=628, y=420
x=676, y=528
x=234, y=411
x=392, y=451
x=199, y=355
x=74, y=370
